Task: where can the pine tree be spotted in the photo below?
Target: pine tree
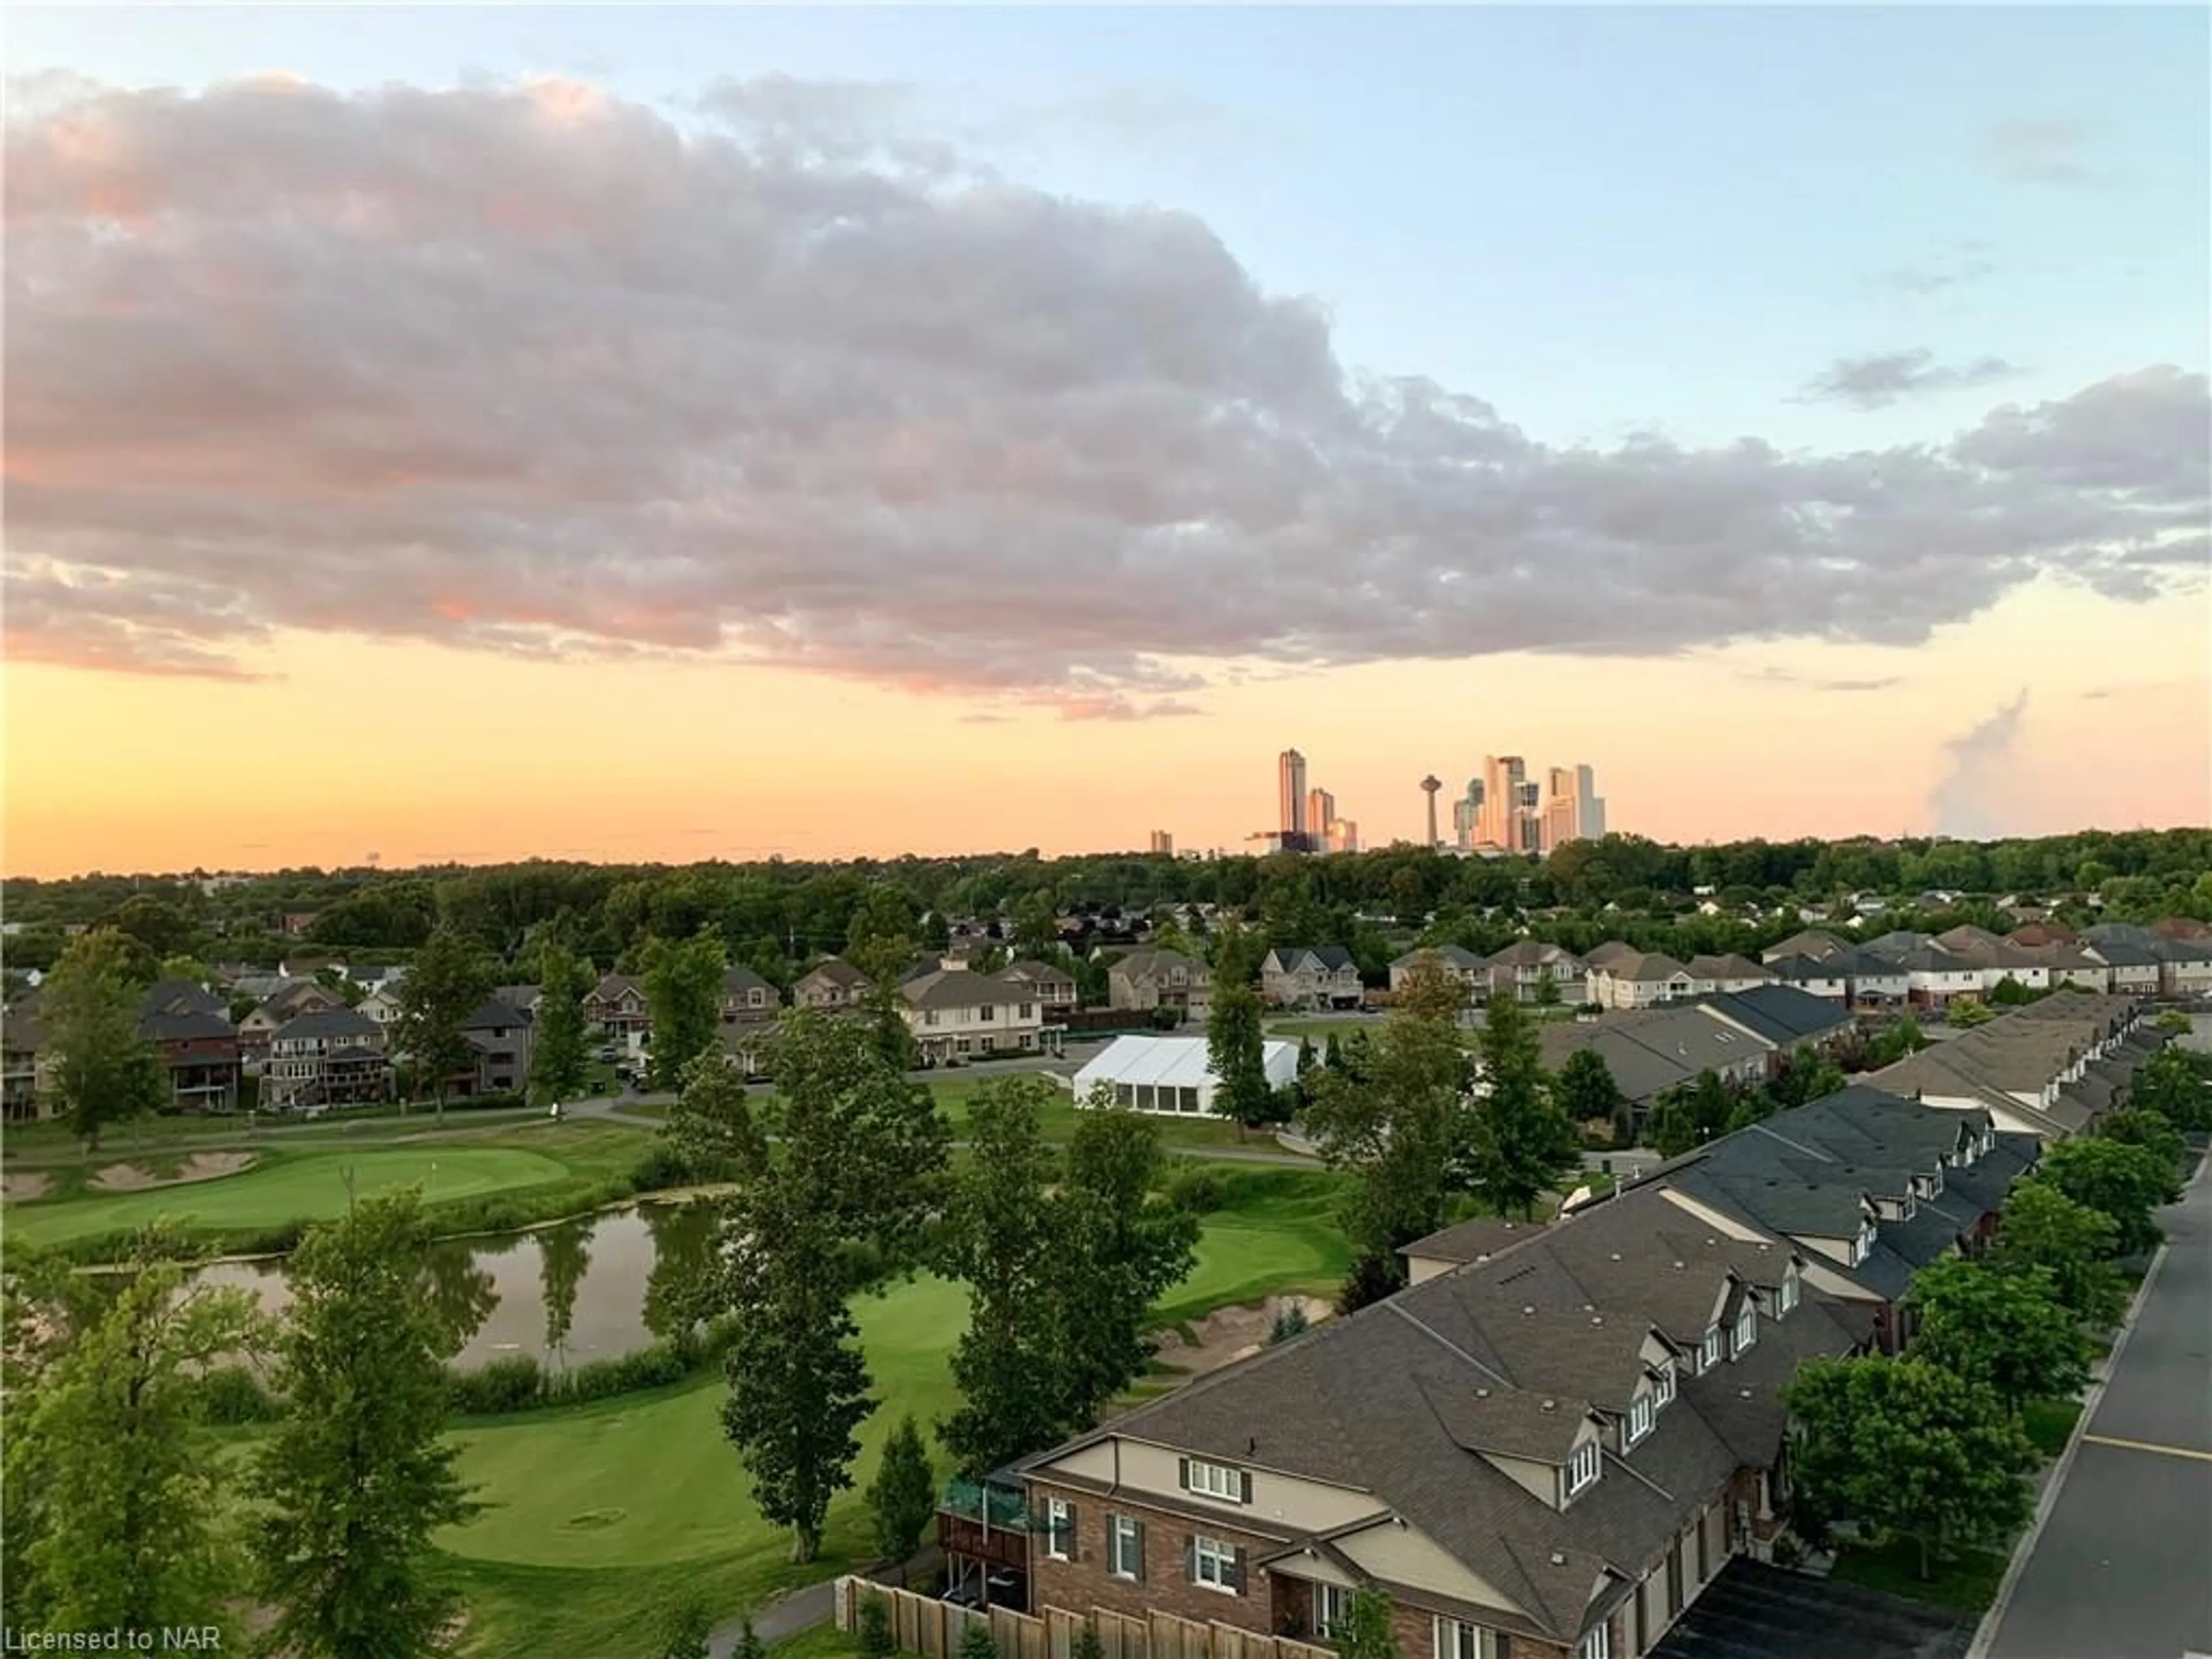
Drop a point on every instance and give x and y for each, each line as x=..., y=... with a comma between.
x=976, y=1642
x=903, y=1495
x=1522, y=1141
x=558, y=1060
x=357, y=1478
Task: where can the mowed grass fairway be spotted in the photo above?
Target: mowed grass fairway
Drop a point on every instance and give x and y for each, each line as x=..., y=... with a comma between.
x=599, y=1516
x=293, y=1183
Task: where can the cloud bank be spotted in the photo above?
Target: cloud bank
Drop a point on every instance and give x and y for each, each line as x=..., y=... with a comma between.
x=531, y=369
x=1881, y=379
x=1973, y=797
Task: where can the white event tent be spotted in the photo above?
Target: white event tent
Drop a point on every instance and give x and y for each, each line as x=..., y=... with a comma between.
x=1171, y=1074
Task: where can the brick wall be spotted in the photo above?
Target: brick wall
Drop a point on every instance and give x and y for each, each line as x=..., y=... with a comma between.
x=1415, y=1629
x=1085, y=1583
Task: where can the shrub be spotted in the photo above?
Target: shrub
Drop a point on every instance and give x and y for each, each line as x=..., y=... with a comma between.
x=1196, y=1189
x=232, y=1395
x=877, y=1641
x=512, y=1383
x=1291, y=1322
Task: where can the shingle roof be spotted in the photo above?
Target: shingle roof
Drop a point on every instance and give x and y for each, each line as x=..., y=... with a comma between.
x=181, y=995
x=1782, y=1014
x=837, y=971
x=737, y=979
x=1472, y=1239
x=959, y=987
x=1727, y=966
x=327, y=1024
x=494, y=1013
x=1327, y=959
x=1456, y=956
x=1812, y=943
x=185, y=1025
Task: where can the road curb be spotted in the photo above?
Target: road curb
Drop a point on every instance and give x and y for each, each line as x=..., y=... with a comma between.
x=1985, y=1633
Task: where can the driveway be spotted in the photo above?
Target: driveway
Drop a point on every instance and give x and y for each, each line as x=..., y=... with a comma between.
x=2119, y=1570
x=1757, y=1612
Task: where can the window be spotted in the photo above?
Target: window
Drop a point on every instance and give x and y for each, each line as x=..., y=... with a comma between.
x=1640, y=1411
x=1582, y=1470
x=1709, y=1352
x=1746, y=1326
x=1022, y=1010
x=929, y=1017
x=1213, y=1563
x=1332, y=1603
x=1665, y=1394
x=988, y=1011
x=1788, y=1293
x=1598, y=1645
x=1214, y=1480
x=1125, y=1546
x=1458, y=1640
x=1059, y=1530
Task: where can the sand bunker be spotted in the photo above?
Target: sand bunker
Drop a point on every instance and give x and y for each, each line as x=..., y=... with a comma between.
x=200, y=1166
x=1230, y=1333
x=24, y=1186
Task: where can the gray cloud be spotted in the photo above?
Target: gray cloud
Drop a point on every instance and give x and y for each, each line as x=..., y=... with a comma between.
x=532, y=370
x=1791, y=676
x=1970, y=799
x=2038, y=151
x=1881, y=379
x=1970, y=264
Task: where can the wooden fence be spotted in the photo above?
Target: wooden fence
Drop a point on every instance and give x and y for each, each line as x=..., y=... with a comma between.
x=923, y=1624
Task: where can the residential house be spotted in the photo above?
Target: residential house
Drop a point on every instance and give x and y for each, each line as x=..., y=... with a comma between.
x=1727, y=973
x=1147, y=979
x=1996, y=959
x=1548, y=1451
x=2067, y=964
x=2185, y=965
x=1790, y=1020
x=199, y=1044
x=1934, y=978
x=2050, y=1069
x=746, y=995
x=23, y=1098
x=327, y=1056
x=1825, y=977
x=957, y=1015
x=1639, y=979
x=1814, y=945
x=1878, y=985
x=1460, y=963
x=2036, y=934
x=499, y=1037
x=831, y=987
x=1649, y=1051
x=1054, y=986
x=1523, y=969
x=617, y=1008
x=1310, y=977
x=524, y=997
x=287, y=1003
x=2133, y=969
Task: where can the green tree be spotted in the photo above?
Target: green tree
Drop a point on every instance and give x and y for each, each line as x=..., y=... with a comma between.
x=1692, y=1113
x=2122, y=1182
x=2174, y=1022
x=1547, y=990
x=902, y=1498
x=684, y=995
x=103, y=1071
x=976, y=1642
x=1803, y=1076
x=448, y=980
x=1235, y=1036
x=2041, y=1232
x=711, y=1126
x=685, y=1629
x=855, y=1175
x=2009, y=1330
x=158, y=925
x=1369, y=1627
x=1584, y=1089
x=997, y=1238
x=1522, y=1141
x=1967, y=1015
x=358, y=1480
x=117, y=1501
x=876, y=1639
x=1121, y=1245
x=2177, y=1085
x=559, y=1059
x=1912, y=1449
x=2155, y=1135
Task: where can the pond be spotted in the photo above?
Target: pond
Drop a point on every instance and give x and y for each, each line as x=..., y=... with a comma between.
x=589, y=1289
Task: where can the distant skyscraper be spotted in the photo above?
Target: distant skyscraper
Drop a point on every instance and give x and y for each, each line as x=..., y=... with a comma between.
x=1429, y=786
x=1321, y=808
x=1343, y=836
x=1162, y=843
x=1573, y=812
x=1291, y=788
x=1502, y=775
x=1467, y=815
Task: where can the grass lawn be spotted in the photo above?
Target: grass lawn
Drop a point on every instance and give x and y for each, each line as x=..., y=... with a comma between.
x=2050, y=1423
x=600, y=1516
x=1968, y=1581
x=295, y=1182
x=1058, y=1118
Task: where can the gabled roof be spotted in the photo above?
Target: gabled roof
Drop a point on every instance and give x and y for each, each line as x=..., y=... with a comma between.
x=1813, y=944
x=185, y=1025
x=614, y=987
x=837, y=971
x=1533, y=953
x=1782, y=1014
x=958, y=988
x=1474, y=1239
x=171, y=996
x=737, y=979
x=1152, y=962
x=329, y=1025
x=1647, y=968
x=495, y=1013
x=1727, y=966
x=1456, y=956
x=1030, y=969
x=1323, y=958
x=1804, y=970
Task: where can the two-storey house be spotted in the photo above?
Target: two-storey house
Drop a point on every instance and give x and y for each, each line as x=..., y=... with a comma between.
x=1639, y=979
x=957, y=1015
x=1148, y=978
x=1054, y=986
x=617, y=1008
x=288, y=1002
x=1310, y=977
x=331, y=1056
x=831, y=988
x=499, y=1038
x=1463, y=964
x=1525, y=968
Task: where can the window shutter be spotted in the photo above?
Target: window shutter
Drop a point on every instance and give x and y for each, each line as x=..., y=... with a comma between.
x=1182, y=1472
x=1137, y=1566
x=1242, y=1557
x=1505, y=1645
x=1066, y=1545
x=1246, y=1477
x=1190, y=1560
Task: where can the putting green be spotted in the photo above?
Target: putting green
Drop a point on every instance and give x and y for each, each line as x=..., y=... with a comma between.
x=288, y=1187
x=647, y=1481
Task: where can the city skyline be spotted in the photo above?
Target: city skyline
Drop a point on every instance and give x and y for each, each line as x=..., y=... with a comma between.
x=473, y=434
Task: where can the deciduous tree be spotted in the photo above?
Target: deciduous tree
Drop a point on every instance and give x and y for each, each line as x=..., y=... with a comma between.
x=902, y=1497
x=2009, y=1330
x=1909, y=1448
x=1692, y=1113
x=2122, y=1182
x=451, y=976
x=1522, y=1143
x=2041, y=1232
x=2178, y=1085
x=1369, y=1630
x=118, y=1512
x=683, y=993
x=1236, y=1039
x=357, y=1478
x=559, y=1061
x=103, y=1071
x=2155, y=1135
x=1585, y=1090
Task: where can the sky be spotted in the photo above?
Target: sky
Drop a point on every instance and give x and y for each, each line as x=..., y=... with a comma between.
x=472, y=435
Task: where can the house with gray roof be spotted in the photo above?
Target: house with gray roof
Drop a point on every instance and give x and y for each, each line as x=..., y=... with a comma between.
x=1053, y=985
x=2030, y=1069
x=957, y=1015
x=1310, y=977
x=1728, y=972
x=831, y=987
x=1457, y=960
x=1814, y=945
x=332, y=1056
x=1639, y=979
x=499, y=1037
x=1792, y=1020
x=1149, y=978
x=1551, y=1449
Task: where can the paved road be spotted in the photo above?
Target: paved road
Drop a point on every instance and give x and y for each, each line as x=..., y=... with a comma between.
x=2121, y=1569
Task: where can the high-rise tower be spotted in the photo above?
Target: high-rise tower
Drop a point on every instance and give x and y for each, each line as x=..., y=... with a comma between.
x=1430, y=784
x=1291, y=787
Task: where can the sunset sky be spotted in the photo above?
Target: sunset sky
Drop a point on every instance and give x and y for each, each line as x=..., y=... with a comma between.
x=669, y=435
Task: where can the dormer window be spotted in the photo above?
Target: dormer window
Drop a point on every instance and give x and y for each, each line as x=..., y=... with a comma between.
x=1747, y=1329
x=1863, y=1247
x=1788, y=1294
x=1640, y=1413
x=1582, y=1467
x=1709, y=1350
x=1216, y=1481
x=1663, y=1391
